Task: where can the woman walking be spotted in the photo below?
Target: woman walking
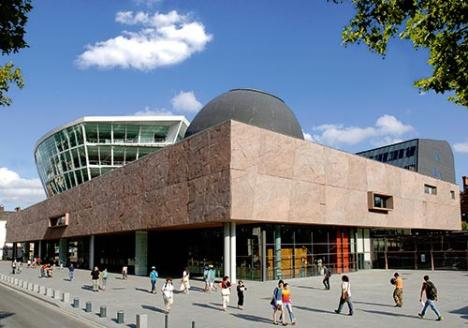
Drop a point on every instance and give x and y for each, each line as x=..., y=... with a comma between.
x=277, y=303
x=185, y=283
x=287, y=303
x=345, y=295
x=168, y=294
x=225, y=291
x=240, y=294
x=104, y=276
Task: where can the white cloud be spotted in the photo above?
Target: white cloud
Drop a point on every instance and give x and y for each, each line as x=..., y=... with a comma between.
x=148, y=3
x=163, y=39
x=387, y=129
x=186, y=102
x=18, y=191
x=461, y=147
x=154, y=112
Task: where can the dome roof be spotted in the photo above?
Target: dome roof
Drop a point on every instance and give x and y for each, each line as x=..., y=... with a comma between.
x=248, y=106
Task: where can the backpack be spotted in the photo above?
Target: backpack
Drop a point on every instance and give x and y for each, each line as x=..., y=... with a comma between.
x=431, y=290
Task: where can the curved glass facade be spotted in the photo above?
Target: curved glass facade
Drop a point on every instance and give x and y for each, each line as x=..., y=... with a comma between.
x=90, y=147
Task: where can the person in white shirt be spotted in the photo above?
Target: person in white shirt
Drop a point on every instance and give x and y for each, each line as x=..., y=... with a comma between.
x=345, y=295
x=168, y=294
x=185, y=282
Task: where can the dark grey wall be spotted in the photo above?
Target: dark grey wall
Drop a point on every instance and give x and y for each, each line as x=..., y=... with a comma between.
x=435, y=158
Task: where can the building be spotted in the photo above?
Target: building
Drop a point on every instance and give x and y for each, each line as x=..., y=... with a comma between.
x=5, y=248
x=91, y=146
x=464, y=199
x=244, y=192
x=430, y=157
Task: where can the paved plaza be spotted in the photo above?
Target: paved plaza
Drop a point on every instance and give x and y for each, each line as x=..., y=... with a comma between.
x=371, y=293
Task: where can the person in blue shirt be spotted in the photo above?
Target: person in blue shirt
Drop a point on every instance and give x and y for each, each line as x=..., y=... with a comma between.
x=153, y=279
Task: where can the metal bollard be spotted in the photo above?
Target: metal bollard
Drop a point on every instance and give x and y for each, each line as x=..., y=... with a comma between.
x=103, y=311
x=193, y=324
x=57, y=294
x=88, y=307
x=120, y=317
x=166, y=321
x=141, y=321
x=31, y=286
x=66, y=298
x=42, y=290
x=50, y=292
x=76, y=302
x=36, y=288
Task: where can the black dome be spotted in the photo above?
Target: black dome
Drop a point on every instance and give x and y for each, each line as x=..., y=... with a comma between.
x=248, y=106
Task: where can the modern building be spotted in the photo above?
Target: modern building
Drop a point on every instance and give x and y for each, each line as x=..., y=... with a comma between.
x=5, y=248
x=242, y=191
x=91, y=146
x=464, y=199
x=426, y=156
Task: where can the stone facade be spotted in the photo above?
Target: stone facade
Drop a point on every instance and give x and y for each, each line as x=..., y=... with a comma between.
x=242, y=173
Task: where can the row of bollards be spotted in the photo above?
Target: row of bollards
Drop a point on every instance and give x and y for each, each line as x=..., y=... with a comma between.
x=141, y=319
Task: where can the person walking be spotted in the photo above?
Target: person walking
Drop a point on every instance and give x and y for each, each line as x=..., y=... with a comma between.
x=225, y=291
x=326, y=279
x=104, y=275
x=398, y=291
x=430, y=290
x=240, y=294
x=168, y=294
x=205, y=277
x=185, y=283
x=287, y=303
x=345, y=295
x=153, y=279
x=95, y=279
x=124, y=272
x=14, y=264
x=211, y=277
x=71, y=272
x=277, y=303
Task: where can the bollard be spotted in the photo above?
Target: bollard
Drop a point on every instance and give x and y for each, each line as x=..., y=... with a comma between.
x=76, y=302
x=141, y=321
x=30, y=286
x=57, y=294
x=42, y=290
x=66, y=298
x=88, y=307
x=16, y=281
x=50, y=292
x=166, y=321
x=193, y=324
x=25, y=284
x=103, y=311
x=36, y=288
x=120, y=317
x=19, y=282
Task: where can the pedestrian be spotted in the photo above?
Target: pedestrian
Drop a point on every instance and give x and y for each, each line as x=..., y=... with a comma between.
x=277, y=303
x=185, y=282
x=205, y=277
x=287, y=303
x=225, y=291
x=103, y=276
x=168, y=294
x=95, y=279
x=124, y=272
x=153, y=279
x=326, y=279
x=211, y=277
x=240, y=294
x=13, y=266
x=71, y=272
x=430, y=290
x=397, y=281
x=345, y=295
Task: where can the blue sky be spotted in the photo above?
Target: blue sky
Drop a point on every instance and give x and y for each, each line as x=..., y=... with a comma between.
x=81, y=62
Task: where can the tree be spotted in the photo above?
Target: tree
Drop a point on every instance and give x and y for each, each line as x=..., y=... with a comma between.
x=437, y=25
x=12, y=22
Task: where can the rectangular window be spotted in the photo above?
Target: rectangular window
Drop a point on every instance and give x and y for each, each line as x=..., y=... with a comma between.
x=58, y=222
x=452, y=194
x=431, y=190
x=379, y=202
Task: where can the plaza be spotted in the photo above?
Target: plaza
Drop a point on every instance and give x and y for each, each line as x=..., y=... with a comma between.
x=371, y=294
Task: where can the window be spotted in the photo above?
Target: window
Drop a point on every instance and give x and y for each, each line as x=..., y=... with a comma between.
x=379, y=202
x=431, y=190
x=437, y=156
x=59, y=221
x=410, y=151
x=452, y=194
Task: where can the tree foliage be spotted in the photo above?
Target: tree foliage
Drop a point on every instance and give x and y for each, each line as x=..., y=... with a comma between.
x=437, y=25
x=13, y=18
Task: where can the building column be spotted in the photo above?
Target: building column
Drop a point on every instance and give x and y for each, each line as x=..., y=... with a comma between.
x=233, y=254
x=141, y=253
x=227, y=249
x=15, y=251
x=264, y=255
x=63, y=251
x=39, y=249
x=91, y=252
x=277, y=265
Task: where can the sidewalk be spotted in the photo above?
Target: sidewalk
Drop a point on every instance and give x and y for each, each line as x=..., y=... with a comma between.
x=371, y=292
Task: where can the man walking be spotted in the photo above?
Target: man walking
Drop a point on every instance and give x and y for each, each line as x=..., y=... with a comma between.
x=71, y=272
x=431, y=297
x=153, y=279
x=398, y=292
x=326, y=278
x=95, y=279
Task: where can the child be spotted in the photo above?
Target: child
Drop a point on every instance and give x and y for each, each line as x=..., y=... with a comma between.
x=240, y=294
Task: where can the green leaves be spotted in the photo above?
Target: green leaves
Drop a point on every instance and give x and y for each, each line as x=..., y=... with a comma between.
x=440, y=26
x=9, y=74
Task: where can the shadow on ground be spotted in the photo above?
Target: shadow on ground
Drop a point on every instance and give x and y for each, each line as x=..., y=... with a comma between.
x=153, y=308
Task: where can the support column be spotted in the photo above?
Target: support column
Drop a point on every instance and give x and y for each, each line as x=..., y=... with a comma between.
x=385, y=253
x=91, y=252
x=15, y=251
x=233, y=254
x=277, y=266
x=227, y=249
x=39, y=249
x=141, y=253
x=264, y=256
x=63, y=251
